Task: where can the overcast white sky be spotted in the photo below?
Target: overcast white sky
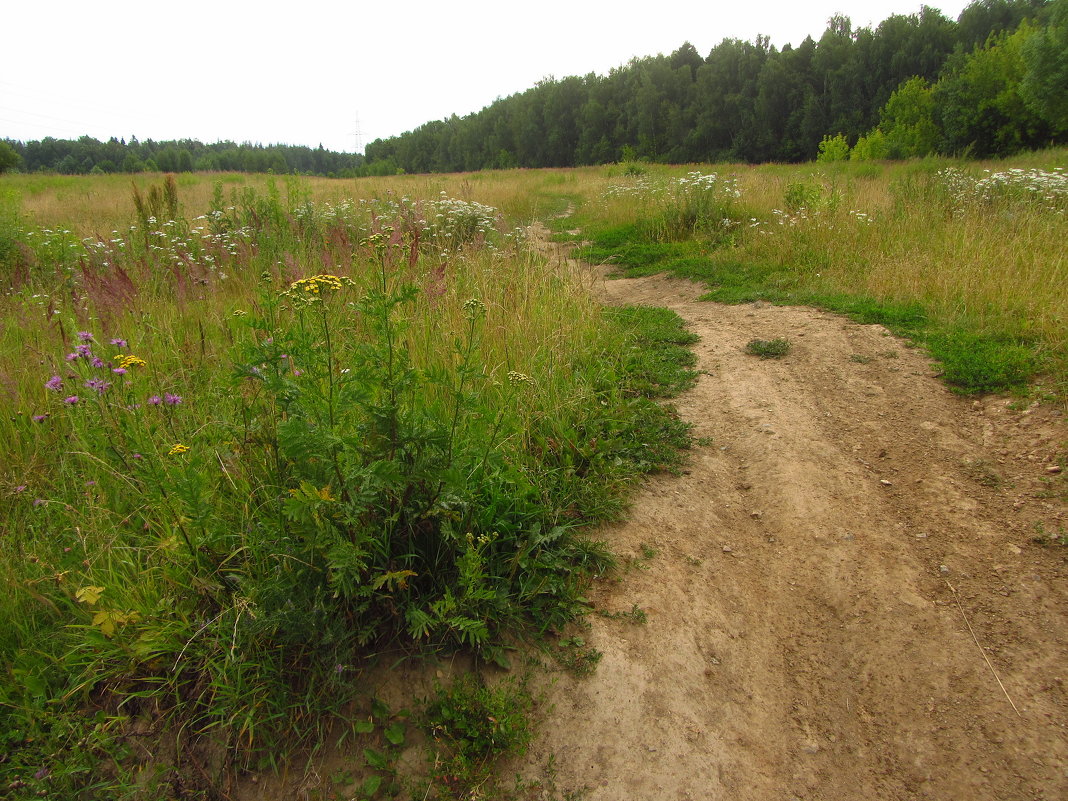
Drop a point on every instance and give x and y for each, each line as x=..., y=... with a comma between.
x=316, y=72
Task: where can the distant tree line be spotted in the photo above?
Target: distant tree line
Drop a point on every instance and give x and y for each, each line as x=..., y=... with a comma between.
x=993, y=82
x=89, y=155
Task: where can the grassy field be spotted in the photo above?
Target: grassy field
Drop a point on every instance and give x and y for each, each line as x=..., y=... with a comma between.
x=260, y=431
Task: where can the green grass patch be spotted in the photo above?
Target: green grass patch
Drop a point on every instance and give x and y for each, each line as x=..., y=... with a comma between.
x=768, y=348
x=656, y=363
x=975, y=363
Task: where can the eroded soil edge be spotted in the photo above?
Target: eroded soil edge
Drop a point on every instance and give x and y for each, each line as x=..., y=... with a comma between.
x=806, y=606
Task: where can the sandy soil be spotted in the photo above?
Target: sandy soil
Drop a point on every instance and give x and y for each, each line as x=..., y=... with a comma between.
x=845, y=600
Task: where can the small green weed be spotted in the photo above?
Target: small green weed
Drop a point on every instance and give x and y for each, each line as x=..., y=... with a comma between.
x=982, y=472
x=472, y=725
x=576, y=656
x=1056, y=484
x=636, y=615
x=1044, y=537
x=768, y=348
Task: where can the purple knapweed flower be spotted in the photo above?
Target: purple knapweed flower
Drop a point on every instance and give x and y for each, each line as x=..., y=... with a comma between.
x=38, y=501
x=138, y=456
x=155, y=400
x=296, y=372
x=98, y=362
x=37, y=418
x=20, y=488
x=118, y=370
x=71, y=357
x=99, y=385
x=84, y=351
x=71, y=399
x=54, y=383
x=119, y=343
x=85, y=336
x=171, y=400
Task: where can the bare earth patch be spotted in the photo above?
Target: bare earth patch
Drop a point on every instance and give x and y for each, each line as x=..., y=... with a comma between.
x=816, y=573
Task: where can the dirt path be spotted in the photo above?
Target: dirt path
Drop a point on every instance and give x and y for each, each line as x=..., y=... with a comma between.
x=813, y=574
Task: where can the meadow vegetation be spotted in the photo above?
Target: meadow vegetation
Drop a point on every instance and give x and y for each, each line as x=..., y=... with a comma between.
x=261, y=433
x=254, y=444
x=964, y=258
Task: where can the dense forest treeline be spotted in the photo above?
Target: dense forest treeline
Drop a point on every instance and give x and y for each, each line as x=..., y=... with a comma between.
x=89, y=155
x=990, y=83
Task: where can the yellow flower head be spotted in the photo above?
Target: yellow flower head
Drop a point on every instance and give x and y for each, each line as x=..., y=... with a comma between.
x=129, y=360
x=310, y=289
x=178, y=449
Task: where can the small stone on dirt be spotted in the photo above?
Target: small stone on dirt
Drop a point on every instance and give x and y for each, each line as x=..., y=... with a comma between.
x=885, y=483
x=943, y=569
x=1054, y=469
x=727, y=549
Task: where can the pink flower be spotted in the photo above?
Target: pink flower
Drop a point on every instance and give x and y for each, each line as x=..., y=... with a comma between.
x=72, y=399
x=54, y=383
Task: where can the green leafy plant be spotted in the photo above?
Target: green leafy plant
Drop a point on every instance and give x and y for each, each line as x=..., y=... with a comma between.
x=472, y=725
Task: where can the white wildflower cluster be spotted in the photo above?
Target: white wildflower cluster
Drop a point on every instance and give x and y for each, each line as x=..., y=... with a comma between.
x=452, y=222
x=58, y=247
x=344, y=213
x=640, y=187
x=791, y=219
x=706, y=182
x=1044, y=189
x=692, y=183
x=198, y=245
x=448, y=223
x=804, y=217
x=170, y=243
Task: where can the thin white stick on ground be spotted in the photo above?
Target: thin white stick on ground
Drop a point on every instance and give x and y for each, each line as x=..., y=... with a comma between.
x=981, y=649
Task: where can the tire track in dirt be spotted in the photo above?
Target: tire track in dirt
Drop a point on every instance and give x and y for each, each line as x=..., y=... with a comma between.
x=804, y=639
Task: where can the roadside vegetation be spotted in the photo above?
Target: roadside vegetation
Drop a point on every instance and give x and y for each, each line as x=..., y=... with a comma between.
x=963, y=258
x=255, y=445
